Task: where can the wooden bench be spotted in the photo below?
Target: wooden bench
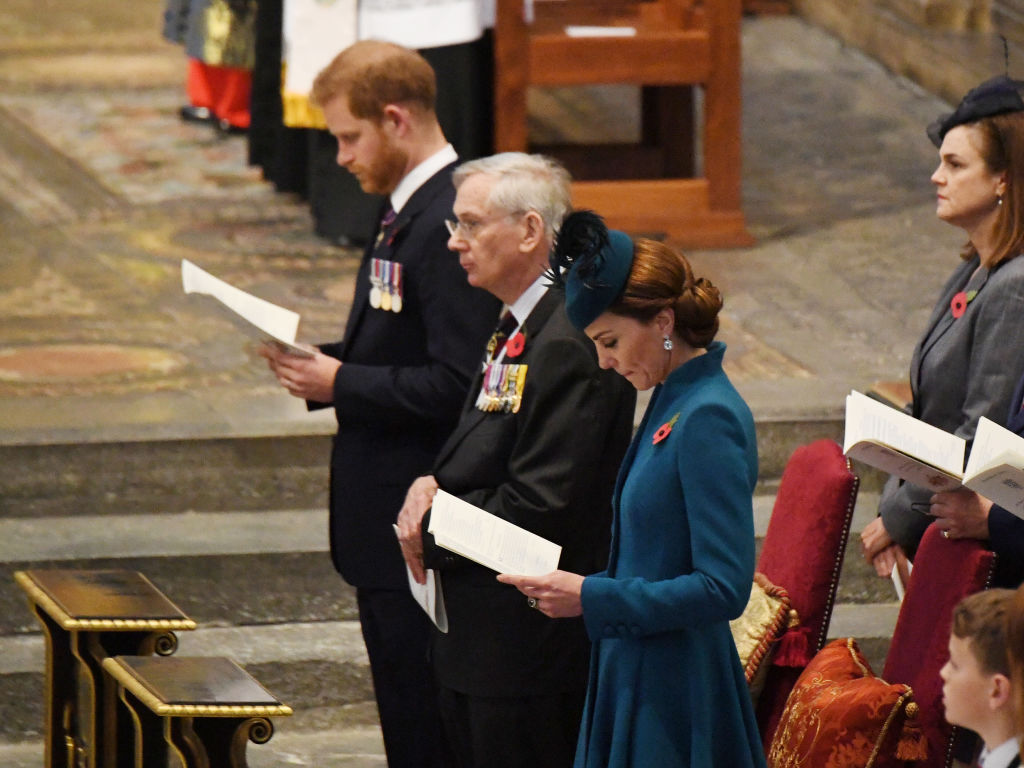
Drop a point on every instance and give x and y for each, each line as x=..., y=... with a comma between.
x=88, y=616
x=201, y=710
x=651, y=187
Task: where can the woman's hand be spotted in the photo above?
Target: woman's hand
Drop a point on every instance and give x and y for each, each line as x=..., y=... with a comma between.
x=556, y=594
x=878, y=548
x=961, y=514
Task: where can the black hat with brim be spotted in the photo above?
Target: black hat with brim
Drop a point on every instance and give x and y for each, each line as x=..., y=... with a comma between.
x=997, y=96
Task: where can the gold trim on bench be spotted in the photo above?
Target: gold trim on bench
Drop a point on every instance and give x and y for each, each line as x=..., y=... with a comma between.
x=58, y=614
x=138, y=688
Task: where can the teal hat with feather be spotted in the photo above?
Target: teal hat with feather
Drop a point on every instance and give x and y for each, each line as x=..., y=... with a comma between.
x=592, y=264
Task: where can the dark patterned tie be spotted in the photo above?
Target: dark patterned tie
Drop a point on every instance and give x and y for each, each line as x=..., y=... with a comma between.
x=500, y=335
x=385, y=223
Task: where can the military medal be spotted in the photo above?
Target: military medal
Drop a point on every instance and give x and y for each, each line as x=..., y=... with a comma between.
x=385, y=299
x=375, y=283
x=518, y=384
x=396, y=293
x=501, y=388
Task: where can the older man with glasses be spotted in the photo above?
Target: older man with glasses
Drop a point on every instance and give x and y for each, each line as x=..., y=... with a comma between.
x=538, y=444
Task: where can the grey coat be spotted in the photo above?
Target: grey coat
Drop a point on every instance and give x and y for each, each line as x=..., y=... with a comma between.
x=962, y=369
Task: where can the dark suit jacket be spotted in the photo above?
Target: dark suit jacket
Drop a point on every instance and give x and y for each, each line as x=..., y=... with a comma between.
x=1005, y=529
x=962, y=369
x=403, y=380
x=550, y=468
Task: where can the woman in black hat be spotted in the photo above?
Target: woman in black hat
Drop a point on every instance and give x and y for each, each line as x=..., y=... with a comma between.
x=972, y=353
x=666, y=688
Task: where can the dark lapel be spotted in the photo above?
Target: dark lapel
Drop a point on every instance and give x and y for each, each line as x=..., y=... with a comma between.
x=471, y=415
x=387, y=247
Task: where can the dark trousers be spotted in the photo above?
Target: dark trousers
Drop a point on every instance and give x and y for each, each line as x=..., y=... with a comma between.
x=396, y=632
x=507, y=732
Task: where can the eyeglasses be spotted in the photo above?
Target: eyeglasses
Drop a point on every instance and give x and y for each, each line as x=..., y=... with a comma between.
x=466, y=230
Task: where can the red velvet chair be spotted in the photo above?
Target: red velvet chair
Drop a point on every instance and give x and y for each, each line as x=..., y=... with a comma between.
x=803, y=553
x=944, y=573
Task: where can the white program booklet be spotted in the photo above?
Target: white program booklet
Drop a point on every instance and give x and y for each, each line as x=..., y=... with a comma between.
x=995, y=468
x=487, y=539
x=273, y=323
x=933, y=458
x=429, y=595
x=901, y=445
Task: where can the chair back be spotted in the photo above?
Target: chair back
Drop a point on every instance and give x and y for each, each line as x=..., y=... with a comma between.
x=671, y=48
x=945, y=571
x=803, y=553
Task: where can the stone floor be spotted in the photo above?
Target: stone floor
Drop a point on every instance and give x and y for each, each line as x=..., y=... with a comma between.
x=104, y=191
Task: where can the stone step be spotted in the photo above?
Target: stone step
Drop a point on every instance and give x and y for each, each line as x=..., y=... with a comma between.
x=56, y=474
x=263, y=591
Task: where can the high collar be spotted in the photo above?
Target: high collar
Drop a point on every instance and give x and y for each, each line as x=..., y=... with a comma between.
x=697, y=367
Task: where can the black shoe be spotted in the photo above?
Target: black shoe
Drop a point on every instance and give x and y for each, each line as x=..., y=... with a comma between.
x=192, y=114
x=227, y=129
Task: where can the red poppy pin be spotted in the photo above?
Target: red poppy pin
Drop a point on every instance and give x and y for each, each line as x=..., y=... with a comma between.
x=959, y=303
x=514, y=346
x=664, y=430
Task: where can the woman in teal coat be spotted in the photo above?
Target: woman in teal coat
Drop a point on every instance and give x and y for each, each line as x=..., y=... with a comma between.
x=666, y=687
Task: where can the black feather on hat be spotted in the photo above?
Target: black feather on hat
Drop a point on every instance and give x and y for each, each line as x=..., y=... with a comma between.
x=993, y=97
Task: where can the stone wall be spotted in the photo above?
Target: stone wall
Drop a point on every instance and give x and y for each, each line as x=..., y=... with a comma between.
x=947, y=46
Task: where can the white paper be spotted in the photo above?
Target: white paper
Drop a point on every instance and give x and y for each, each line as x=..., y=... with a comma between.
x=897, y=579
x=425, y=23
x=902, y=445
x=584, y=31
x=487, y=539
x=995, y=468
x=277, y=324
x=429, y=595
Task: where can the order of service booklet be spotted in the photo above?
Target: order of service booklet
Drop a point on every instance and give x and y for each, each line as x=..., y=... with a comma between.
x=271, y=322
x=932, y=458
x=428, y=595
x=474, y=533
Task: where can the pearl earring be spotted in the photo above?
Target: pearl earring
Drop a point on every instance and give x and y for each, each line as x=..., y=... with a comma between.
x=999, y=199
x=667, y=343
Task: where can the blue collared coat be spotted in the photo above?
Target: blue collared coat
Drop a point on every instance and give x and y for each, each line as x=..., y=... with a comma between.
x=666, y=688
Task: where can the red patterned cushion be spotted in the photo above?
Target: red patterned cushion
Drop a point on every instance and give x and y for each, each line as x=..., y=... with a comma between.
x=839, y=715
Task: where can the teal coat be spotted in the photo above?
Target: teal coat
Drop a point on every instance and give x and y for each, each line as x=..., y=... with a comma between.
x=666, y=688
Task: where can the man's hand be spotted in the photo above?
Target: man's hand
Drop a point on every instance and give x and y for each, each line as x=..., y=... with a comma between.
x=418, y=499
x=309, y=378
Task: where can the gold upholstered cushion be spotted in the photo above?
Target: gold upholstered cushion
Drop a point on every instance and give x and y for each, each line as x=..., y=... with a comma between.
x=758, y=629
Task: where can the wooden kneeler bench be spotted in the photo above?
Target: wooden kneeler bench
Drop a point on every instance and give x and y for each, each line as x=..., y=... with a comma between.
x=88, y=616
x=202, y=710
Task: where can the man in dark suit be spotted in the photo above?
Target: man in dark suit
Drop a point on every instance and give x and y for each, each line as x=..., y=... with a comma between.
x=539, y=444
x=399, y=375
